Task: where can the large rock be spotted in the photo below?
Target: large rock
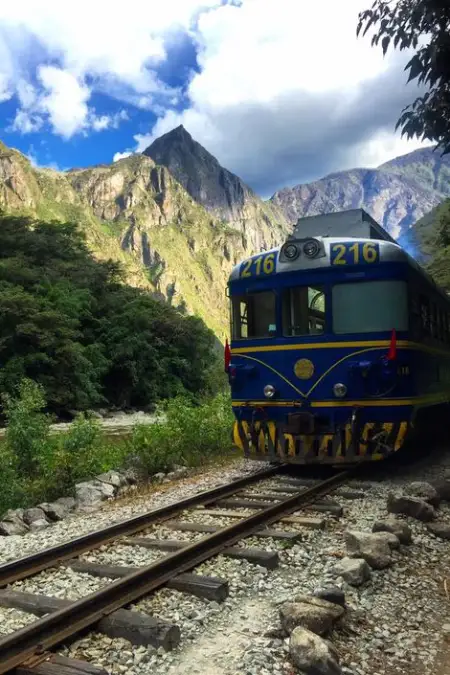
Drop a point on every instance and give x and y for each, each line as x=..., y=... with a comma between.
x=39, y=524
x=424, y=491
x=113, y=478
x=93, y=492
x=355, y=571
x=312, y=655
x=12, y=523
x=332, y=594
x=397, y=527
x=374, y=548
x=32, y=515
x=442, y=487
x=11, y=527
x=313, y=613
x=67, y=502
x=54, y=511
x=410, y=506
x=440, y=529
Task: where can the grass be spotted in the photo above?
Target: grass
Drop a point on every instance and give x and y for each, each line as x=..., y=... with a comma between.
x=37, y=466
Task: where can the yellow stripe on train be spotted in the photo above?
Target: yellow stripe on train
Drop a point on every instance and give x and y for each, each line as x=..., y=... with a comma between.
x=317, y=448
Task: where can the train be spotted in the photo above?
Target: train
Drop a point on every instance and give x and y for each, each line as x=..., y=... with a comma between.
x=340, y=342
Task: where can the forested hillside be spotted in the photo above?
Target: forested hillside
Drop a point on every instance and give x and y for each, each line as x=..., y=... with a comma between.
x=429, y=242
x=70, y=323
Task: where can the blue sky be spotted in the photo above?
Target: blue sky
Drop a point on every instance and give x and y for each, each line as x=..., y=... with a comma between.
x=281, y=91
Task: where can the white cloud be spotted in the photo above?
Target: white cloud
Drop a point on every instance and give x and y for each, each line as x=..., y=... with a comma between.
x=286, y=92
x=26, y=123
x=114, y=48
x=101, y=122
x=65, y=100
x=121, y=155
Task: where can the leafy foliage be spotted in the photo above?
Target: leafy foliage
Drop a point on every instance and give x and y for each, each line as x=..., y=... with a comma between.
x=190, y=434
x=37, y=466
x=424, y=26
x=432, y=238
x=69, y=323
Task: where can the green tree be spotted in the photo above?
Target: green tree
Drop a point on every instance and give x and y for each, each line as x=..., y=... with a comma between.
x=424, y=26
x=69, y=323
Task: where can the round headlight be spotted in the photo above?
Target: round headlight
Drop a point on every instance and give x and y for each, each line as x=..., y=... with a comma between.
x=269, y=391
x=339, y=390
x=311, y=248
x=291, y=251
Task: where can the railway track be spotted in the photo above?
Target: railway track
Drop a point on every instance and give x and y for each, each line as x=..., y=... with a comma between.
x=61, y=619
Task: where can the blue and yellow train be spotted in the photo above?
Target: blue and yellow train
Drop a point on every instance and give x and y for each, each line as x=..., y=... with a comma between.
x=339, y=340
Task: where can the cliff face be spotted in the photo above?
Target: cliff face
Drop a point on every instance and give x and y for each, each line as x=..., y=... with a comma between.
x=396, y=194
x=220, y=192
x=136, y=212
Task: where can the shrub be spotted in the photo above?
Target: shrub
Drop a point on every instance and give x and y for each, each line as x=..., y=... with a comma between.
x=190, y=434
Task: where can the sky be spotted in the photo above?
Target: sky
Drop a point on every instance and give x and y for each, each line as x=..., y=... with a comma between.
x=280, y=91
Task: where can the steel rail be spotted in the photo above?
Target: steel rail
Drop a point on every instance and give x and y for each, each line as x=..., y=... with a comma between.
x=58, y=626
x=21, y=568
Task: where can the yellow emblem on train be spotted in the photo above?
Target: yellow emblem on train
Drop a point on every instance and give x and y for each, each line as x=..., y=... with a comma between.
x=304, y=369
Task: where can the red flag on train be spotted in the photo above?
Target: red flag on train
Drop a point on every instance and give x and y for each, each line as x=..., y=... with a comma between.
x=392, y=353
x=227, y=355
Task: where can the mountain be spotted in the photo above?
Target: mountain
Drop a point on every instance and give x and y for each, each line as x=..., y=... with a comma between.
x=136, y=212
x=178, y=221
x=396, y=194
x=222, y=193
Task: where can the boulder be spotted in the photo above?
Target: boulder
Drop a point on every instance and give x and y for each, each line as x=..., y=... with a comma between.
x=54, y=511
x=313, y=613
x=355, y=571
x=39, y=524
x=374, y=548
x=93, y=492
x=31, y=515
x=67, y=502
x=13, y=514
x=440, y=529
x=401, y=530
x=312, y=655
x=442, y=487
x=11, y=527
x=410, y=506
x=159, y=476
x=113, y=478
x=423, y=490
x=331, y=594
x=392, y=541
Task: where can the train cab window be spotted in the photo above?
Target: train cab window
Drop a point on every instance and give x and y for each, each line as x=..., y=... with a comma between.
x=254, y=315
x=303, y=311
x=370, y=306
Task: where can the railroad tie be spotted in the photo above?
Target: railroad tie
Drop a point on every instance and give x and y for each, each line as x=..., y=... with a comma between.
x=268, y=559
x=209, y=588
x=54, y=664
x=138, y=628
x=312, y=523
x=208, y=529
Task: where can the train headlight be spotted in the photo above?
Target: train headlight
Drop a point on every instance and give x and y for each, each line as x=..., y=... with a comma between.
x=311, y=248
x=291, y=251
x=269, y=391
x=339, y=390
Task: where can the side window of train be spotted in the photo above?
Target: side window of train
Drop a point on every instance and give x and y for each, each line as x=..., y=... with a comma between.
x=304, y=311
x=425, y=314
x=254, y=315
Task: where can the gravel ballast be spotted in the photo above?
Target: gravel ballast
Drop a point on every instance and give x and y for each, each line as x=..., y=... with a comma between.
x=395, y=622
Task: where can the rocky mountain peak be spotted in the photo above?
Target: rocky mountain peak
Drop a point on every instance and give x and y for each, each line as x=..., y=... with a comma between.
x=221, y=192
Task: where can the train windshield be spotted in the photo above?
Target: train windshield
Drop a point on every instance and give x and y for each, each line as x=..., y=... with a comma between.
x=254, y=315
x=303, y=310
x=370, y=306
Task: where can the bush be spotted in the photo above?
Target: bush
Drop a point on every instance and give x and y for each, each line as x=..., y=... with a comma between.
x=190, y=434
x=28, y=428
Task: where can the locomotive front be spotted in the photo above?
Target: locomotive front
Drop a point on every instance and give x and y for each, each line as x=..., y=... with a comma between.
x=319, y=367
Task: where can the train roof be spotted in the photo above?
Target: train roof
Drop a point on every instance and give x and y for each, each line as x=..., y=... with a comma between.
x=354, y=225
